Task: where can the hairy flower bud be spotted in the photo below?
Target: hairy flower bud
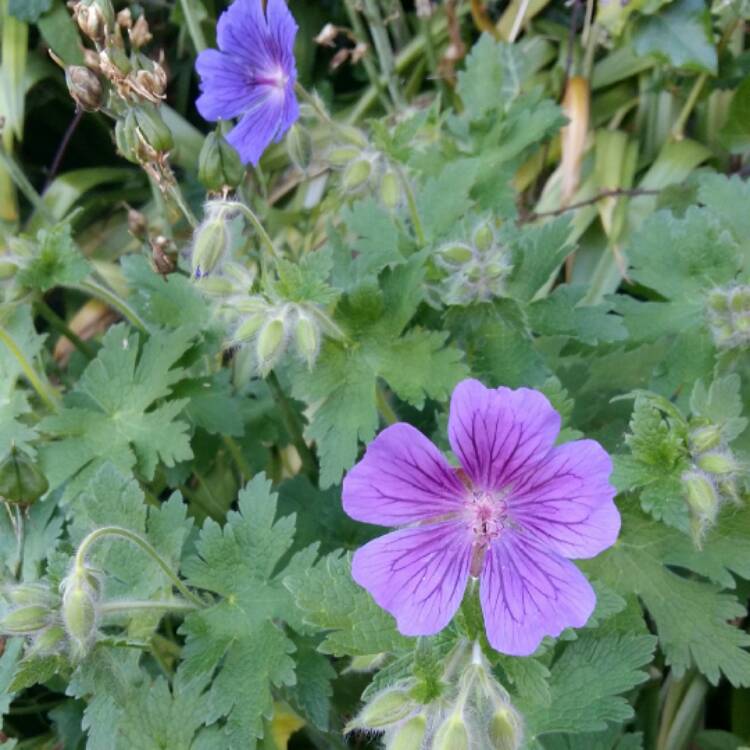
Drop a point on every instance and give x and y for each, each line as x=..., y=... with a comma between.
x=504, y=729
x=219, y=164
x=356, y=174
x=704, y=438
x=384, y=710
x=452, y=734
x=390, y=189
x=25, y=620
x=409, y=735
x=456, y=253
x=21, y=480
x=701, y=495
x=79, y=613
x=307, y=338
x=85, y=87
x=248, y=327
x=717, y=462
x=48, y=640
x=210, y=245
x=483, y=237
x=341, y=156
x=271, y=343
x=28, y=593
x=299, y=146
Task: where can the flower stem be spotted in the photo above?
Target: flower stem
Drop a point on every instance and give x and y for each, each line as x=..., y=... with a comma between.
x=678, y=129
x=257, y=225
x=235, y=452
x=131, y=536
x=176, y=194
x=384, y=408
x=125, y=606
x=59, y=325
x=293, y=426
x=413, y=211
x=383, y=49
x=95, y=289
x=193, y=25
x=18, y=176
x=46, y=392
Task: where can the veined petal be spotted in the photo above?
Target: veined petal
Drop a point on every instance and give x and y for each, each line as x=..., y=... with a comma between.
x=566, y=502
x=496, y=433
x=242, y=32
x=528, y=593
x=401, y=479
x=418, y=574
x=282, y=28
x=260, y=124
x=224, y=89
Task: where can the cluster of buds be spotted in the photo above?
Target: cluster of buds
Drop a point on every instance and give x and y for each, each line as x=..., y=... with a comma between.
x=476, y=271
x=34, y=612
x=124, y=83
x=364, y=168
x=473, y=712
x=728, y=312
x=711, y=479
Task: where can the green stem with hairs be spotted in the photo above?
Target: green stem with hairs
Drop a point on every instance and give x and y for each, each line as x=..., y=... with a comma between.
x=131, y=536
x=48, y=395
x=257, y=225
x=148, y=605
x=176, y=194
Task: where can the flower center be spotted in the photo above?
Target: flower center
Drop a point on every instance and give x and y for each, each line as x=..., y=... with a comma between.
x=275, y=77
x=486, y=515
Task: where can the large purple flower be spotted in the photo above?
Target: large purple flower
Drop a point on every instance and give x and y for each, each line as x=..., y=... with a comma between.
x=251, y=75
x=512, y=515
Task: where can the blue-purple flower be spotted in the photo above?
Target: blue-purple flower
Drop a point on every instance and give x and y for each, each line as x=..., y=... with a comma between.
x=513, y=514
x=251, y=76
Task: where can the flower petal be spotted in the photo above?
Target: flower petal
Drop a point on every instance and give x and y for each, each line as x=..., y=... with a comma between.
x=242, y=32
x=260, y=124
x=495, y=433
x=418, y=574
x=566, y=502
x=401, y=479
x=283, y=29
x=528, y=593
x=225, y=92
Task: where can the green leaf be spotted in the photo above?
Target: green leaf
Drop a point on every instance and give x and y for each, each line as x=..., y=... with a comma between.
x=735, y=133
x=353, y=624
x=307, y=279
x=416, y=364
x=13, y=431
x=727, y=199
x=113, y=412
x=212, y=405
x=238, y=639
x=693, y=618
x=681, y=35
x=587, y=680
x=28, y=10
x=56, y=260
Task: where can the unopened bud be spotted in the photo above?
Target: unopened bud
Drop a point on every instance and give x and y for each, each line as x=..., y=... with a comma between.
x=483, y=237
x=341, y=156
x=84, y=87
x=96, y=18
x=270, y=343
x=717, y=301
x=299, y=146
x=452, y=734
x=385, y=709
x=504, y=730
x=705, y=438
x=249, y=326
x=219, y=164
x=356, y=174
x=25, y=620
x=741, y=323
x=79, y=613
x=210, y=246
x=354, y=135
x=701, y=495
x=408, y=736
x=307, y=338
x=49, y=640
x=390, y=190
x=717, y=462
x=739, y=299
x=214, y=286
x=21, y=481
x=28, y=593
x=456, y=253
x=152, y=128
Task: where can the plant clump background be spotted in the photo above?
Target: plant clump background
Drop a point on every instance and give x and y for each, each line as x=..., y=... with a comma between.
x=279, y=278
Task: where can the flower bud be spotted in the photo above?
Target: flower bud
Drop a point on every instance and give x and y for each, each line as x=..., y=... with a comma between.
x=25, y=620
x=270, y=343
x=84, y=87
x=114, y=63
x=248, y=327
x=385, y=709
x=718, y=301
x=356, y=174
x=354, y=135
x=390, y=190
x=717, y=462
x=483, y=238
x=340, y=156
x=408, y=736
x=452, y=734
x=456, y=254
x=125, y=137
x=95, y=18
x=8, y=269
x=21, y=481
x=139, y=33
x=704, y=438
x=50, y=639
x=219, y=164
x=152, y=128
x=742, y=324
x=28, y=593
x=504, y=730
x=739, y=299
x=299, y=146
x=701, y=495
x=79, y=612
x=307, y=338
x=210, y=246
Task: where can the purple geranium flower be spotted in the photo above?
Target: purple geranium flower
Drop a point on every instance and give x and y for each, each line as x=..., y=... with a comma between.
x=512, y=515
x=252, y=75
